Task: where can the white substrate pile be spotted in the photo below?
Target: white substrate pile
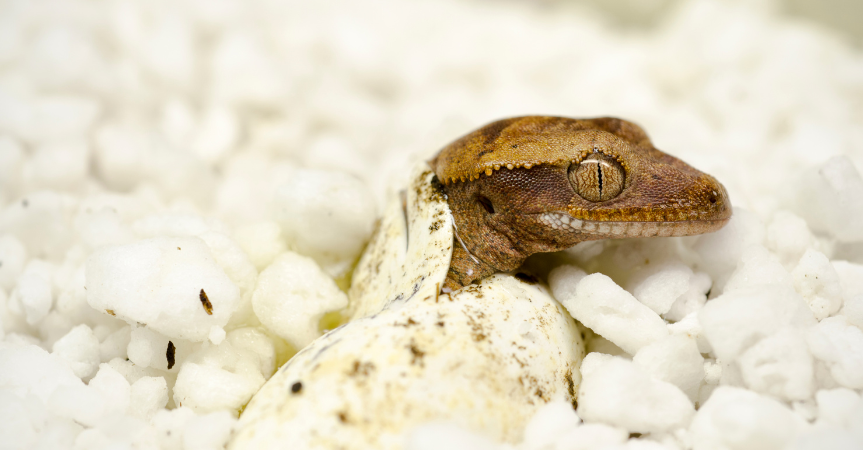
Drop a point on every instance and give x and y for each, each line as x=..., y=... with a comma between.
x=195, y=180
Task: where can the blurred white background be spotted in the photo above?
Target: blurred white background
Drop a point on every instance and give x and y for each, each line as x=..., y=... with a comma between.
x=208, y=104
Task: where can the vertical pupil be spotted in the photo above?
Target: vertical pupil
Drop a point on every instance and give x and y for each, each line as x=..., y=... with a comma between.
x=599, y=177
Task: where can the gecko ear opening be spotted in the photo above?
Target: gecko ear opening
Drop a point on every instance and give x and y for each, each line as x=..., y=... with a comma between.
x=597, y=178
x=485, y=203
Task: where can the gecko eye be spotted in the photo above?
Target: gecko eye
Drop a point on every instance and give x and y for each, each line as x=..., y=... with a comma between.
x=597, y=178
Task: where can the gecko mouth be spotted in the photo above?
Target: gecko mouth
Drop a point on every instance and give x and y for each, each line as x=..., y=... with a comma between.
x=622, y=229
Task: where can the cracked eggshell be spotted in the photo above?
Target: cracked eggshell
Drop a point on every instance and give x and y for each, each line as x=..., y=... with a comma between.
x=463, y=357
x=409, y=254
x=486, y=357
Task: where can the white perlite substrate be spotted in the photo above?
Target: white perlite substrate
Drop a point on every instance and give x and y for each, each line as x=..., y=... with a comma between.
x=161, y=161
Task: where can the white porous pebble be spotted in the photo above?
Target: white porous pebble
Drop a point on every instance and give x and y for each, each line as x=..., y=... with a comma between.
x=832, y=439
x=292, y=295
x=59, y=117
x=147, y=396
x=129, y=156
x=250, y=179
x=851, y=281
x=60, y=165
x=721, y=251
x=660, y=287
x=115, y=344
x=836, y=406
x=758, y=267
x=34, y=294
x=840, y=345
x=99, y=226
x=219, y=377
x=817, y=281
x=780, y=365
x=176, y=224
x=674, y=359
x=148, y=348
x=254, y=344
x=242, y=273
x=231, y=258
x=41, y=222
x=617, y=392
x=853, y=310
x=850, y=277
x=114, y=389
x=325, y=215
x=735, y=418
x=692, y=300
x=80, y=348
x=16, y=427
x=830, y=198
x=170, y=426
x=599, y=344
x=690, y=327
x=635, y=444
x=217, y=134
x=805, y=409
x=177, y=121
x=13, y=255
x=131, y=371
x=597, y=302
x=210, y=431
x=11, y=158
x=122, y=431
x=738, y=319
x=206, y=388
x=161, y=282
x=120, y=153
x=788, y=236
x=28, y=369
x=79, y=403
x=244, y=72
x=262, y=241
x=552, y=420
x=591, y=436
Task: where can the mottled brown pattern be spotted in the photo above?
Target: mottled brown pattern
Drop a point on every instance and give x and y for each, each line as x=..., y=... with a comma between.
x=502, y=179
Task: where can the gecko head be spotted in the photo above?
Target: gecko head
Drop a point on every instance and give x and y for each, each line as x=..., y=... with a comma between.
x=545, y=183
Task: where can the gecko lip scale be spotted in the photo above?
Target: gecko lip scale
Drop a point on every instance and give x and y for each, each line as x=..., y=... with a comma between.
x=623, y=229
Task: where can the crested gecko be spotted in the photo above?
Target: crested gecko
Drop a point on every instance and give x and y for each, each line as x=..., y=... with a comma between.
x=533, y=184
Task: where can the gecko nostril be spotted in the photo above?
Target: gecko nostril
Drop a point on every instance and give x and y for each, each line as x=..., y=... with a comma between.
x=712, y=199
x=485, y=203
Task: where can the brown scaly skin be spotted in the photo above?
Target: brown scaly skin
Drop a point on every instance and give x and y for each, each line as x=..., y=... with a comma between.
x=512, y=191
